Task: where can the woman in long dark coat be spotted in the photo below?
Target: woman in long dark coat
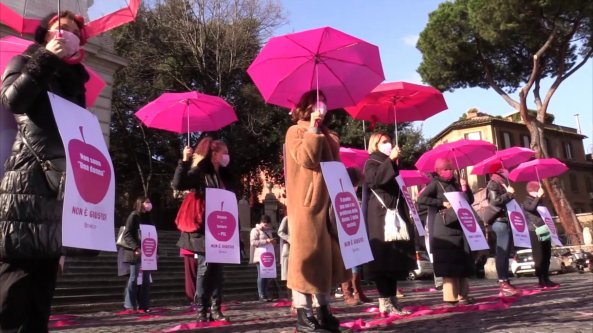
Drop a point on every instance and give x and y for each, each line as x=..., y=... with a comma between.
x=392, y=259
x=452, y=256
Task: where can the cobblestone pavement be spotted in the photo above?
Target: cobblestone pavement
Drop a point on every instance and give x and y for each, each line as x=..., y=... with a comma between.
x=567, y=309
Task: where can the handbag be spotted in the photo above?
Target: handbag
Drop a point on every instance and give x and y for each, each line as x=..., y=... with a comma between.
x=121, y=240
x=489, y=213
x=190, y=215
x=54, y=170
x=395, y=228
x=543, y=233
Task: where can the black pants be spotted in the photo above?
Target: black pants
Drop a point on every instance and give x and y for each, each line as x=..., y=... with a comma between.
x=542, y=252
x=209, y=281
x=26, y=291
x=386, y=286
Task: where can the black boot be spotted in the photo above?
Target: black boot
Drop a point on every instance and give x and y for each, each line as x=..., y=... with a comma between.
x=216, y=314
x=549, y=283
x=307, y=323
x=327, y=320
x=541, y=282
x=202, y=314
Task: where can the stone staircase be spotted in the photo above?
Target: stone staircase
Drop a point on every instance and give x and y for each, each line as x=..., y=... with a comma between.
x=92, y=284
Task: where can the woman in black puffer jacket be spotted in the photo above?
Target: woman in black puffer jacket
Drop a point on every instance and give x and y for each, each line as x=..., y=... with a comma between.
x=30, y=213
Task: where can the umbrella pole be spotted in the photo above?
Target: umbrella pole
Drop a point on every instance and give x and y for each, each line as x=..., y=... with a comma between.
x=59, y=24
x=187, y=117
x=364, y=137
x=395, y=117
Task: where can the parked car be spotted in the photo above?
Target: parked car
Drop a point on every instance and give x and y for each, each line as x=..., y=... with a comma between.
x=424, y=266
x=523, y=263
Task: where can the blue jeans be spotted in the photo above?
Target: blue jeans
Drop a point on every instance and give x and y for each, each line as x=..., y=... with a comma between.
x=137, y=298
x=503, y=248
x=262, y=285
x=209, y=280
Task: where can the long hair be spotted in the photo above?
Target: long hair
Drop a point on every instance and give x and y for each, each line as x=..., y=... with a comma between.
x=374, y=141
x=138, y=204
x=204, y=149
x=304, y=107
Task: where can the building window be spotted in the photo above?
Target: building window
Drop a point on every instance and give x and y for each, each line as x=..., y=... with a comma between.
x=525, y=141
x=574, y=185
x=507, y=140
x=473, y=135
x=568, y=151
x=549, y=148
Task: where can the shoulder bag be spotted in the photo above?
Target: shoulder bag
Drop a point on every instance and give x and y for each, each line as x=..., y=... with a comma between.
x=395, y=228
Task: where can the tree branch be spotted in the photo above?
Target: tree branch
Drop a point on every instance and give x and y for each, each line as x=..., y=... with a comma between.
x=495, y=86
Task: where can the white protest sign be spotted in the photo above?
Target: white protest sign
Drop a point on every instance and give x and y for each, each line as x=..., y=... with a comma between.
x=547, y=217
x=222, y=232
x=267, y=262
x=518, y=224
x=404, y=190
x=149, y=241
x=473, y=234
x=89, y=197
x=352, y=234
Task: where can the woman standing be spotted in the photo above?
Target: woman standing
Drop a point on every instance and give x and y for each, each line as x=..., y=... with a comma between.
x=207, y=168
x=315, y=262
x=261, y=237
x=31, y=214
x=393, y=258
x=134, y=298
x=452, y=258
x=542, y=249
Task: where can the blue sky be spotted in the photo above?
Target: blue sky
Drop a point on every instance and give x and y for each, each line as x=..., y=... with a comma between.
x=394, y=26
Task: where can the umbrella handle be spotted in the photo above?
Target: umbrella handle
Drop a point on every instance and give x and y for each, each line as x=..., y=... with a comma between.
x=395, y=119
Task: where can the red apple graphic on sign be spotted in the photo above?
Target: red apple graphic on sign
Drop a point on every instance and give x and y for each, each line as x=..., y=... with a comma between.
x=267, y=259
x=149, y=246
x=347, y=211
x=92, y=172
x=518, y=221
x=221, y=224
x=467, y=219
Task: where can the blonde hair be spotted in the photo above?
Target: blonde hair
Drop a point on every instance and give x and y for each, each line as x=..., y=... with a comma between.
x=204, y=149
x=374, y=141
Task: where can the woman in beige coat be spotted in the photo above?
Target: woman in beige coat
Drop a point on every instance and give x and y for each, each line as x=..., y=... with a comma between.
x=315, y=263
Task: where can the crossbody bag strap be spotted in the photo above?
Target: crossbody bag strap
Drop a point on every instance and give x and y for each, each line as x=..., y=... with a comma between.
x=381, y=200
x=45, y=164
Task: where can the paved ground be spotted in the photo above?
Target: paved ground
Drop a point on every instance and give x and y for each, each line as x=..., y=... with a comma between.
x=567, y=309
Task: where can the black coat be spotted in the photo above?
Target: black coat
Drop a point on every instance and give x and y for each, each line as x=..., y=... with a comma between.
x=499, y=197
x=396, y=258
x=132, y=235
x=451, y=253
x=30, y=215
x=529, y=206
x=197, y=179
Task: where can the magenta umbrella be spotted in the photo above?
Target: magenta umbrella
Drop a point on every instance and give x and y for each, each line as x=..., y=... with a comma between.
x=187, y=112
x=343, y=67
x=23, y=16
x=352, y=157
x=413, y=177
x=537, y=169
x=11, y=46
x=395, y=102
x=462, y=153
x=506, y=158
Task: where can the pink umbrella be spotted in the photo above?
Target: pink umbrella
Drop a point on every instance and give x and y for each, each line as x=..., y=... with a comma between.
x=23, y=16
x=399, y=101
x=537, y=169
x=344, y=67
x=187, y=112
x=413, y=177
x=11, y=46
x=461, y=152
x=352, y=157
x=506, y=158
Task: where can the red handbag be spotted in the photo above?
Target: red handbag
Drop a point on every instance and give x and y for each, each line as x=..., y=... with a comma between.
x=191, y=213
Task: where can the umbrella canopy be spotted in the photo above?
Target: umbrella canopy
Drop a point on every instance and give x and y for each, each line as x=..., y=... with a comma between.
x=537, y=169
x=352, y=157
x=24, y=16
x=344, y=67
x=506, y=158
x=11, y=46
x=413, y=177
x=187, y=112
x=462, y=153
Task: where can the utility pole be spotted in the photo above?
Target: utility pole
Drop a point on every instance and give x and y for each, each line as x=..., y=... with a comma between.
x=578, y=124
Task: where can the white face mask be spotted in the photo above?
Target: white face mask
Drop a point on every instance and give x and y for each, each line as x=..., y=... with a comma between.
x=147, y=207
x=72, y=41
x=385, y=148
x=225, y=159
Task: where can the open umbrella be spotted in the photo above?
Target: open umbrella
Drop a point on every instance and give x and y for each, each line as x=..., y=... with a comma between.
x=187, y=112
x=344, y=67
x=537, y=169
x=24, y=16
x=506, y=158
x=395, y=102
x=11, y=46
x=413, y=177
x=352, y=157
x=461, y=152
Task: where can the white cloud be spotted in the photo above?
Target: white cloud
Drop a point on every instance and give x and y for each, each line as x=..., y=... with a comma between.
x=411, y=40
